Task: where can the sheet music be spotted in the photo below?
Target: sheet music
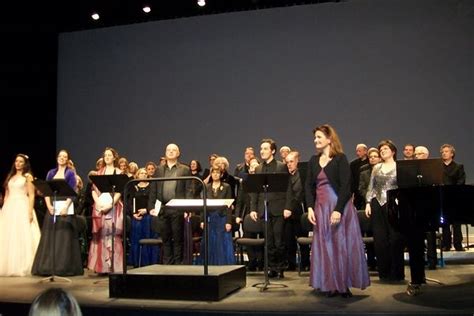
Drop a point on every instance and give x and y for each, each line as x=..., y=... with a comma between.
x=157, y=208
x=59, y=205
x=105, y=198
x=199, y=202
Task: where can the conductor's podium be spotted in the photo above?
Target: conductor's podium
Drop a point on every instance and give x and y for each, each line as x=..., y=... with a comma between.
x=180, y=282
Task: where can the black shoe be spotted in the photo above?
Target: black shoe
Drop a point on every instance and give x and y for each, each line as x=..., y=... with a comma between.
x=331, y=293
x=272, y=274
x=281, y=275
x=252, y=268
x=446, y=248
x=347, y=294
x=460, y=249
x=413, y=289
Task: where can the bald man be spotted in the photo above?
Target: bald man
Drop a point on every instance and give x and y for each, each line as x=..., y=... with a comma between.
x=170, y=222
x=360, y=162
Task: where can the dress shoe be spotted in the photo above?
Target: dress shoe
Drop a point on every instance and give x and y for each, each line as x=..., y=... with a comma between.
x=331, y=293
x=347, y=294
x=460, y=249
x=281, y=275
x=446, y=248
x=413, y=289
x=272, y=274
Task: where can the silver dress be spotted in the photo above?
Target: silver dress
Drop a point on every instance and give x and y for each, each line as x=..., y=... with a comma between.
x=380, y=183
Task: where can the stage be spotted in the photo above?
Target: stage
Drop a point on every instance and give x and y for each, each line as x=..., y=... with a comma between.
x=92, y=292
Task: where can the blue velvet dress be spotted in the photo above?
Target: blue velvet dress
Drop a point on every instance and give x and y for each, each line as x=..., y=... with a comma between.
x=141, y=229
x=221, y=248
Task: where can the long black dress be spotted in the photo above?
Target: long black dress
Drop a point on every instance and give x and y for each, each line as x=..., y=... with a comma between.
x=63, y=235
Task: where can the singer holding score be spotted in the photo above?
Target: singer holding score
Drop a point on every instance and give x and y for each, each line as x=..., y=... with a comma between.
x=107, y=212
x=67, y=252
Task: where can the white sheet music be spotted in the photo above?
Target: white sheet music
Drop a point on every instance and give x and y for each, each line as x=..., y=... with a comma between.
x=157, y=208
x=59, y=205
x=105, y=199
x=199, y=202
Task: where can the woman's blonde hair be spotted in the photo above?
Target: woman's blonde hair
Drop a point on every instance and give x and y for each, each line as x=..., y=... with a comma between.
x=55, y=302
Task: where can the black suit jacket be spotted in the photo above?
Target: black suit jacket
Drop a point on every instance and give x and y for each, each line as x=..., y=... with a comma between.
x=454, y=173
x=277, y=201
x=183, y=188
x=295, y=196
x=338, y=172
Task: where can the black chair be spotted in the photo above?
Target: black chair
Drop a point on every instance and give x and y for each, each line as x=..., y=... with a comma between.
x=306, y=240
x=249, y=226
x=365, y=227
x=158, y=242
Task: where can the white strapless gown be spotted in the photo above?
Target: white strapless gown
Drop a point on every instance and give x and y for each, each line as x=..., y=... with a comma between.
x=19, y=238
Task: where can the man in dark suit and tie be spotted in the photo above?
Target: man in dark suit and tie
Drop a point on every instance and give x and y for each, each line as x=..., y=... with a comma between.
x=277, y=202
x=170, y=222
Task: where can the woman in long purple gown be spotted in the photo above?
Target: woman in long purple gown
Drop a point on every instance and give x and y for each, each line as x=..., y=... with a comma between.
x=337, y=252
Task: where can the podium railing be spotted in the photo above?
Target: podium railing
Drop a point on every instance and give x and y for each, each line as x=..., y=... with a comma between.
x=204, y=210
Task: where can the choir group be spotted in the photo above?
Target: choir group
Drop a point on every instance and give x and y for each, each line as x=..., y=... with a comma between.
x=88, y=230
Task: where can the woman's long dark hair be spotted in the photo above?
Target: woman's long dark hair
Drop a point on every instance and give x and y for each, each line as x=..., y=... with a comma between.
x=26, y=168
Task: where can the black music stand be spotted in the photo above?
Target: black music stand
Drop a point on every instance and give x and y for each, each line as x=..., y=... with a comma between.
x=54, y=188
x=265, y=183
x=422, y=173
x=111, y=183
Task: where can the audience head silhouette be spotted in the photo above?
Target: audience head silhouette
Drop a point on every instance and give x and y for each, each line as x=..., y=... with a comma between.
x=55, y=302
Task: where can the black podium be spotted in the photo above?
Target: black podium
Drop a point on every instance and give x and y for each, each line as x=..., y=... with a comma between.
x=266, y=183
x=179, y=282
x=54, y=188
x=112, y=184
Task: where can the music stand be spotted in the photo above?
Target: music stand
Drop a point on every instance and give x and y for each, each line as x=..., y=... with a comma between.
x=54, y=188
x=419, y=173
x=111, y=183
x=265, y=183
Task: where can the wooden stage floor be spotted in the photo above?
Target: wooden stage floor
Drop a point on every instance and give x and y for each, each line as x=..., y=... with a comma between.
x=456, y=296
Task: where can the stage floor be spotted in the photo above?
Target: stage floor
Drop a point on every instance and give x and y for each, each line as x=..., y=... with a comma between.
x=454, y=297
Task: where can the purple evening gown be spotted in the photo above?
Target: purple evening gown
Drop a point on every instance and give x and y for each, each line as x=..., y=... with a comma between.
x=337, y=253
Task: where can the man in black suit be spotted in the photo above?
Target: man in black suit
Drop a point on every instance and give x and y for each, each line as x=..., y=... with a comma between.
x=356, y=165
x=453, y=174
x=243, y=168
x=170, y=222
x=276, y=203
x=294, y=205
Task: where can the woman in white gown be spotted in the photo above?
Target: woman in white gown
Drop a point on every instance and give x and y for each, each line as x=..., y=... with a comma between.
x=19, y=230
